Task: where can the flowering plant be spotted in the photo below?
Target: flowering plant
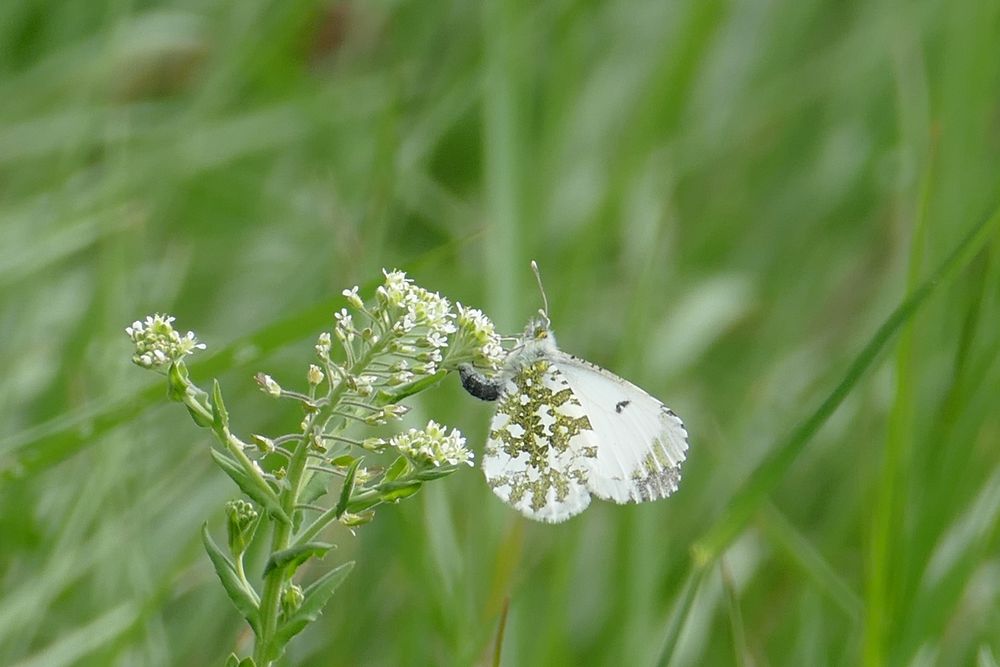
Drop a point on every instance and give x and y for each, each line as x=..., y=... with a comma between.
x=404, y=340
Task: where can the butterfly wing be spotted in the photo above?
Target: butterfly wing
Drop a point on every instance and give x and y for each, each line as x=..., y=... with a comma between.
x=640, y=442
x=541, y=444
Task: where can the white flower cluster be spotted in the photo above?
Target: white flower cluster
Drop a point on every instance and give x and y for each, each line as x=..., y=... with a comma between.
x=418, y=320
x=418, y=327
x=158, y=344
x=432, y=446
x=478, y=332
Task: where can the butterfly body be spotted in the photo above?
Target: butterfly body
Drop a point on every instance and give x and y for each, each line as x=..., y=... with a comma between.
x=565, y=429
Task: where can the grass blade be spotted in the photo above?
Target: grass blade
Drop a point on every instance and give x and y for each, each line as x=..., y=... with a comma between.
x=766, y=477
x=679, y=615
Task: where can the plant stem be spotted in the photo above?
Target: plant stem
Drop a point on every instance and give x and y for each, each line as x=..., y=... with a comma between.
x=270, y=605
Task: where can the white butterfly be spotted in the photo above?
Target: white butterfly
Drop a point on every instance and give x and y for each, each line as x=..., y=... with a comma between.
x=565, y=429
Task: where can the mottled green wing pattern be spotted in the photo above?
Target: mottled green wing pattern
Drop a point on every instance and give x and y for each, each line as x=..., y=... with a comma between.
x=541, y=445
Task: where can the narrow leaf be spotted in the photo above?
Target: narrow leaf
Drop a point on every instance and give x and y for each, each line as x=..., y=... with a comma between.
x=501, y=630
x=397, y=469
x=394, y=491
x=295, y=556
x=199, y=419
x=177, y=381
x=316, y=597
x=342, y=461
x=365, y=502
x=347, y=489
x=314, y=489
x=243, y=597
x=435, y=473
x=266, y=499
x=403, y=391
x=745, y=503
x=220, y=415
x=679, y=615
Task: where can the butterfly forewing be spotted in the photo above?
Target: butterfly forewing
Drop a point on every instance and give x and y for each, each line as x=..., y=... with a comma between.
x=541, y=447
x=640, y=442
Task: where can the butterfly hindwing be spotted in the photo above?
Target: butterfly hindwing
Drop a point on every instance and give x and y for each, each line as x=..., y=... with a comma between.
x=640, y=442
x=542, y=446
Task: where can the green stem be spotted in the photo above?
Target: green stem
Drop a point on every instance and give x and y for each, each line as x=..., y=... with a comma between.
x=270, y=606
x=233, y=445
x=405, y=390
x=331, y=515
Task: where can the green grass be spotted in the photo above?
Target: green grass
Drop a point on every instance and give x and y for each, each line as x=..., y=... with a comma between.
x=780, y=218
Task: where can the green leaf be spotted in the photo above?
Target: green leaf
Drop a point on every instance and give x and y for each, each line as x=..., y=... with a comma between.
x=266, y=499
x=745, y=503
x=342, y=461
x=347, y=489
x=316, y=597
x=394, y=491
x=314, y=489
x=234, y=661
x=295, y=556
x=406, y=390
x=679, y=615
x=220, y=416
x=243, y=597
x=199, y=419
x=435, y=473
x=397, y=469
x=177, y=381
x=361, y=504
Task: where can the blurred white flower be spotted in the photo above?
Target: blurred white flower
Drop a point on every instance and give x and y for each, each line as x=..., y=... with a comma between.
x=353, y=299
x=344, y=327
x=158, y=344
x=323, y=344
x=475, y=330
x=395, y=289
x=433, y=446
x=268, y=384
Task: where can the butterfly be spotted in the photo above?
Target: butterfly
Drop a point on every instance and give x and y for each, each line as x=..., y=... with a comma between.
x=565, y=429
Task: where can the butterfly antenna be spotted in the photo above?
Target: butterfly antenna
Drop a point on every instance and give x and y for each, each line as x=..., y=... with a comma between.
x=545, y=302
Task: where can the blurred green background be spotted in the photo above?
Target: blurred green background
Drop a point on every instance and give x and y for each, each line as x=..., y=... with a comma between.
x=726, y=200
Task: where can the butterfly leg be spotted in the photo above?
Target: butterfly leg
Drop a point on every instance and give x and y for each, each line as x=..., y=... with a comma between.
x=477, y=384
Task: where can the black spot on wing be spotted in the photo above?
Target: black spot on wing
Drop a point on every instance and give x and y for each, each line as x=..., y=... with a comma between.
x=621, y=405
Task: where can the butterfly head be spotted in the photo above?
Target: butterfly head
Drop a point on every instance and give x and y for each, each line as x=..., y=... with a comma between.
x=538, y=335
x=538, y=328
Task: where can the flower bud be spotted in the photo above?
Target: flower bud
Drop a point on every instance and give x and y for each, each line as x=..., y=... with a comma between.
x=241, y=520
x=352, y=298
x=291, y=599
x=263, y=443
x=267, y=383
